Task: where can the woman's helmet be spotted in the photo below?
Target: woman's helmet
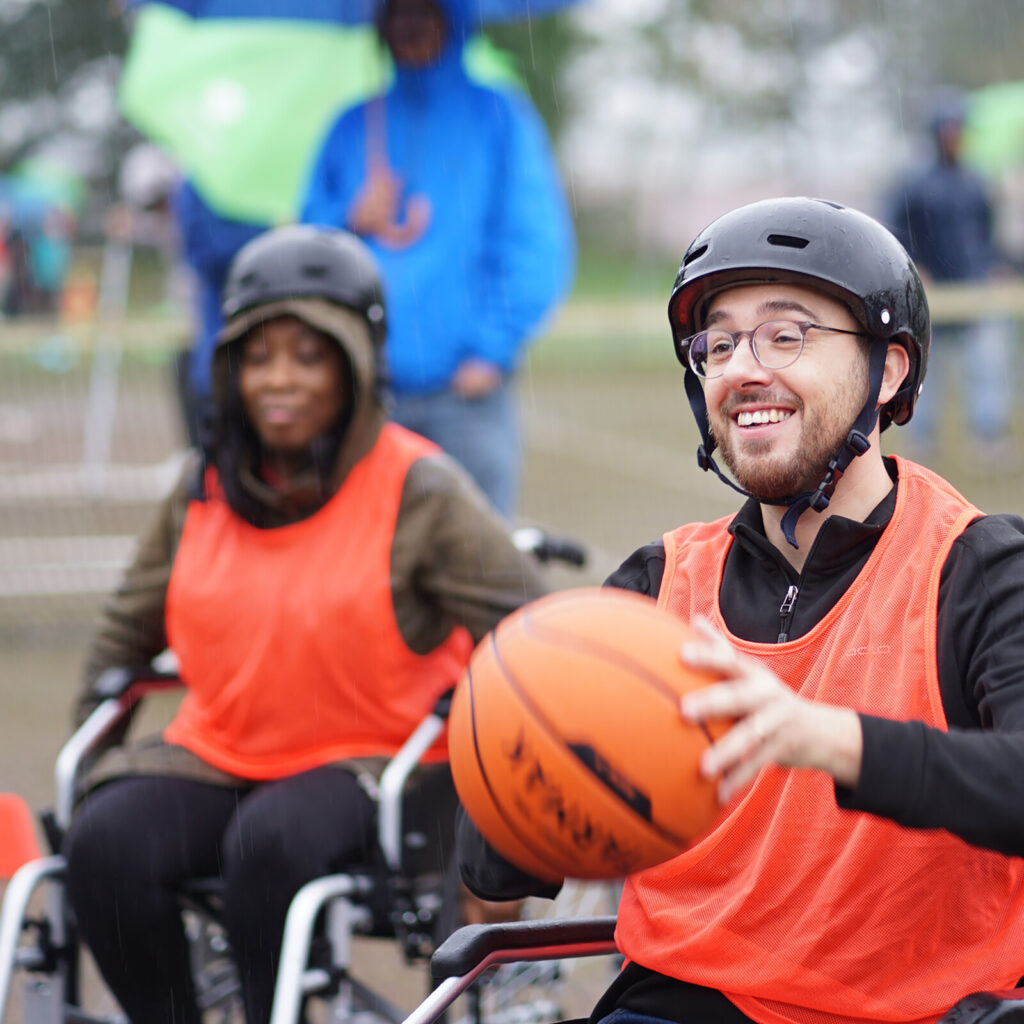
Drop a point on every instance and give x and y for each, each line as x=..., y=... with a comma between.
x=303, y=261
x=818, y=244
x=327, y=278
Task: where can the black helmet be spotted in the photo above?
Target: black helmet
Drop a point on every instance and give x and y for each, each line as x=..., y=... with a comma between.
x=822, y=245
x=307, y=261
x=834, y=248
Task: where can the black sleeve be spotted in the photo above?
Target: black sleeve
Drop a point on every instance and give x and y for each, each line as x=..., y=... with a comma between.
x=484, y=871
x=969, y=780
x=642, y=571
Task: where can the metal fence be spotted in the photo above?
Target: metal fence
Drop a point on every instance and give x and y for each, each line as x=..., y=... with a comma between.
x=91, y=433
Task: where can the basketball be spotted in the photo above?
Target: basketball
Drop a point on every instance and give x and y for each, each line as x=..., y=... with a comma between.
x=567, y=747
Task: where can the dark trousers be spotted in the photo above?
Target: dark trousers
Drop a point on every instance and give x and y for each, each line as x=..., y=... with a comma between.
x=133, y=842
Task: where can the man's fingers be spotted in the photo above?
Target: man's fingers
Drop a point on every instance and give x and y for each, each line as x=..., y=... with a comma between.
x=750, y=736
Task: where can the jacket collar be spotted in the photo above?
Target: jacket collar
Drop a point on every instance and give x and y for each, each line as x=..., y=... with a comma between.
x=839, y=543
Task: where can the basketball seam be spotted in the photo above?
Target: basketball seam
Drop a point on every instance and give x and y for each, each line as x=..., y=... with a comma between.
x=545, y=722
x=495, y=803
x=545, y=631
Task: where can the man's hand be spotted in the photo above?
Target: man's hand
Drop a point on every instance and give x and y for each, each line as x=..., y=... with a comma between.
x=475, y=378
x=773, y=724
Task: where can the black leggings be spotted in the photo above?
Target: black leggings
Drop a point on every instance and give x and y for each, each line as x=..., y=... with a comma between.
x=133, y=842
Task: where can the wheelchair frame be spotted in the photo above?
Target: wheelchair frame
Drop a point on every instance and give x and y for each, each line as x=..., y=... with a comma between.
x=470, y=951
x=345, y=896
x=51, y=994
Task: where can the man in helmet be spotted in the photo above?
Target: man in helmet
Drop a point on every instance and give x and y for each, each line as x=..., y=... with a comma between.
x=452, y=183
x=322, y=580
x=864, y=619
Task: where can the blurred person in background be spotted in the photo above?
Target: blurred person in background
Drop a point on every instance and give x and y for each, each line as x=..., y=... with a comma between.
x=6, y=260
x=454, y=186
x=943, y=215
x=38, y=225
x=146, y=182
x=209, y=243
x=322, y=581
x=50, y=254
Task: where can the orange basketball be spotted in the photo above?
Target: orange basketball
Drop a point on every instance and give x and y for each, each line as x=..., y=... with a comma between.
x=566, y=742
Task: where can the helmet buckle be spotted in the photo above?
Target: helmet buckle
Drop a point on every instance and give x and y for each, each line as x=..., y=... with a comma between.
x=857, y=442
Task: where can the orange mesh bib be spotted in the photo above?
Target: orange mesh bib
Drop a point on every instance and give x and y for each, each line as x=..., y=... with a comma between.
x=802, y=913
x=287, y=638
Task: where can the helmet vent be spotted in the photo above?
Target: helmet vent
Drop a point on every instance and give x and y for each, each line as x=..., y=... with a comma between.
x=789, y=241
x=317, y=271
x=695, y=255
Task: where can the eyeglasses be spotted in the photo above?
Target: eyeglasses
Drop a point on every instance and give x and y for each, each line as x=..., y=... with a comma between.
x=775, y=344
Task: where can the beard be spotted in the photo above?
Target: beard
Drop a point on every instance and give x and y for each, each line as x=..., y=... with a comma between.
x=776, y=477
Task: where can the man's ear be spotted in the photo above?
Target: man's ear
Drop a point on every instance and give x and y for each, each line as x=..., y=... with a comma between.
x=897, y=366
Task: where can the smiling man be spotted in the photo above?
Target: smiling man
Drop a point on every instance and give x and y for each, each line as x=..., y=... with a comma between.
x=865, y=621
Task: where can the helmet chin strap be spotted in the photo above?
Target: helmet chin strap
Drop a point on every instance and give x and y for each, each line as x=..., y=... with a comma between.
x=856, y=443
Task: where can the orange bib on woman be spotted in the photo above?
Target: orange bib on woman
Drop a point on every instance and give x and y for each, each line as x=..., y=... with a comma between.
x=287, y=638
x=802, y=913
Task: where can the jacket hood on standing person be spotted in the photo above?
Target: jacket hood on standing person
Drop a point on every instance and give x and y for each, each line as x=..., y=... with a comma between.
x=498, y=251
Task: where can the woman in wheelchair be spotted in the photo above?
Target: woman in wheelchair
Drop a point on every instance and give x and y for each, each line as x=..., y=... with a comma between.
x=322, y=576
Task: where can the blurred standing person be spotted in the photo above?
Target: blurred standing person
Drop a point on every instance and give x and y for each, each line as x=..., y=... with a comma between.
x=50, y=256
x=943, y=215
x=454, y=186
x=6, y=261
x=209, y=243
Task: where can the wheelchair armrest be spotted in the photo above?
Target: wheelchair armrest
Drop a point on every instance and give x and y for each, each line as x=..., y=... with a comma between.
x=546, y=547
x=121, y=689
x=477, y=946
x=396, y=775
x=135, y=682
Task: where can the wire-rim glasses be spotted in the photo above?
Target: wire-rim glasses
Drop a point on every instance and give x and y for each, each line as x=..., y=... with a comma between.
x=775, y=344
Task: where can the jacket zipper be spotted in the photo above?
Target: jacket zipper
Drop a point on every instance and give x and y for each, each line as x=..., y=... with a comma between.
x=786, y=612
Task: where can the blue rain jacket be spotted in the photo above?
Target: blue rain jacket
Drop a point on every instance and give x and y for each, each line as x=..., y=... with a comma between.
x=499, y=251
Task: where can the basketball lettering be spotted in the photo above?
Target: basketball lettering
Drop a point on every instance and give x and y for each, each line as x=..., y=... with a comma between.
x=566, y=743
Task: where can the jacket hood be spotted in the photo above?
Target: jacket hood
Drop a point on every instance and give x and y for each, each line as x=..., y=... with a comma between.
x=462, y=21
x=462, y=16
x=349, y=330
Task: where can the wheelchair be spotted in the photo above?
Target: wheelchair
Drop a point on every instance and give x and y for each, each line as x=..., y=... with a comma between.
x=471, y=951
x=409, y=895
x=406, y=894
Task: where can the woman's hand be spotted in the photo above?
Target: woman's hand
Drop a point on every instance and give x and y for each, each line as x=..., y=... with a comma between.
x=773, y=724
